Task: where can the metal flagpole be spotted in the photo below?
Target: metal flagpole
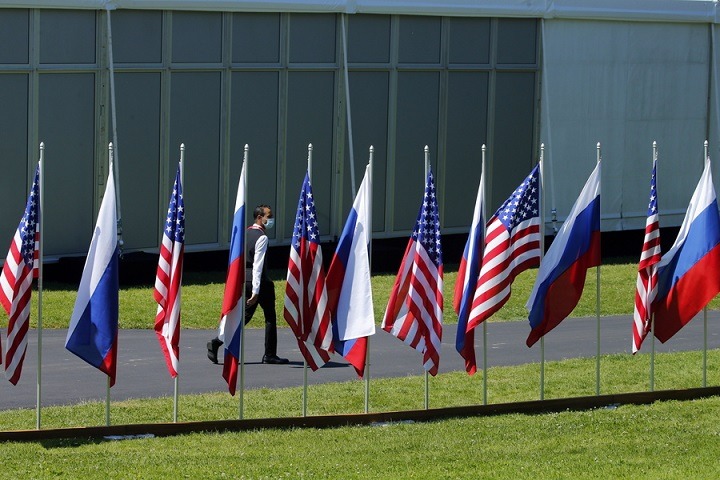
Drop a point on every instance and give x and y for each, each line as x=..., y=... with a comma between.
x=38, y=405
x=176, y=381
x=597, y=310
x=369, y=226
x=482, y=249
x=427, y=383
x=347, y=103
x=652, y=314
x=305, y=364
x=111, y=68
x=705, y=329
x=542, y=254
x=241, y=404
x=107, y=393
x=548, y=124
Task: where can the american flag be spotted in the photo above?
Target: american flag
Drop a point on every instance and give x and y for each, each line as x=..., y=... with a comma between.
x=168, y=280
x=415, y=309
x=512, y=245
x=647, y=279
x=305, y=292
x=21, y=266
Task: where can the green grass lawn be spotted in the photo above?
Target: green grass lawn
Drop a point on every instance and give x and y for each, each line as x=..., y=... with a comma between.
x=663, y=440
x=202, y=298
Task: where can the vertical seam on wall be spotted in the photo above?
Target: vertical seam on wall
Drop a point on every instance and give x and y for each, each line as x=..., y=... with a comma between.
x=443, y=84
x=389, y=226
x=282, y=119
x=224, y=180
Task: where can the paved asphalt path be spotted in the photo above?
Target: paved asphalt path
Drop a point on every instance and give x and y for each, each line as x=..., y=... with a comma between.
x=142, y=373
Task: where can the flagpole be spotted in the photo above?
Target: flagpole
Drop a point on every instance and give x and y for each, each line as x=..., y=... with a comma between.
x=305, y=364
x=427, y=383
x=351, y=152
x=652, y=354
x=482, y=248
x=369, y=226
x=107, y=392
x=705, y=329
x=177, y=374
x=652, y=314
x=542, y=254
x=241, y=405
x=597, y=309
x=111, y=69
x=40, y=291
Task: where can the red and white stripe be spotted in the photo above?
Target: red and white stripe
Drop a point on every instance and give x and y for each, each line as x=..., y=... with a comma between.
x=646, y=284
x=506, y=255
x=15, y=293
x=167, y=294
x=414, y=313
x=306, y=304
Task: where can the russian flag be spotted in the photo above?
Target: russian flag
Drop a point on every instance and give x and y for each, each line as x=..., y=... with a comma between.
x=689, y=273
x=348, y=282
x=233, y=313
x=466, y=282
x=561, y=277
x=93, y=330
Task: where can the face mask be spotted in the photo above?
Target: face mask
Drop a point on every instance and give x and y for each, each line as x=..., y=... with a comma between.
x=270, y=223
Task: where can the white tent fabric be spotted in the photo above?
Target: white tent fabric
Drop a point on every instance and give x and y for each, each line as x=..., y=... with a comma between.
x=625, y=85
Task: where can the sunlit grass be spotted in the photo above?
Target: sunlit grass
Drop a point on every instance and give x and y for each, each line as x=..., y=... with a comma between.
x=203, y=291
x=663, y=440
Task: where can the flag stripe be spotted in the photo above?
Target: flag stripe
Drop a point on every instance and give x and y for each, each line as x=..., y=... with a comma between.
x=512, y=246
x=232, y=312
x=689, y=274
x=168, y=279
x=414, y=311
x=21, y=265
x=306, y=307
x=647, y=279
x=561, y=277
x=348, y=282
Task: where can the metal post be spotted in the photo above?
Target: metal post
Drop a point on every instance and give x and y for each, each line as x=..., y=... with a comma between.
x=38, y=402
x=305, y=365
x=427, y=382
x=111, y=69
x=343, y=19
x=176, y=392
x=705, y=328
x=482, y=249
x=243, y=300
x=597, y=311
x=652, y=315
x=367, y=344
x=542, y=254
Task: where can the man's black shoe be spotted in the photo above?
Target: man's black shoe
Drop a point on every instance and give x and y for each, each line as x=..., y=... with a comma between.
x=212, y=347
x=274, y=360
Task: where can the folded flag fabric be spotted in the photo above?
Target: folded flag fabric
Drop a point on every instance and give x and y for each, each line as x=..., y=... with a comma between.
x=466, y=282
x=168, y=278
x=348, y=281
x=93, y=330
x=306, y=303
x=561, y=276
x=689, y=273
x=233, y=311
x=647, y=278
x=414, y=311
x=21, y=266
